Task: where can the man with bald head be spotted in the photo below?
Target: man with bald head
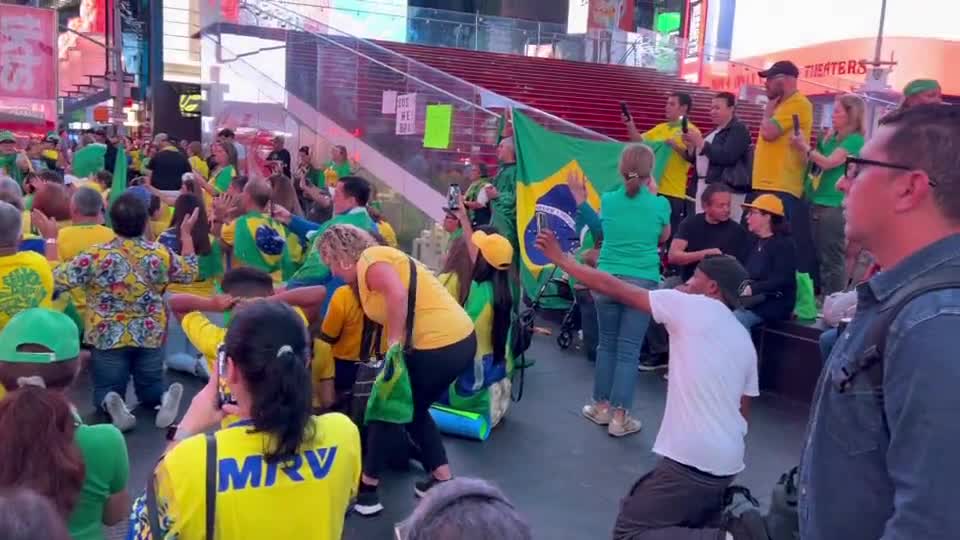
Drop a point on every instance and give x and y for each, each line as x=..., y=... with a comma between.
x=256, y=239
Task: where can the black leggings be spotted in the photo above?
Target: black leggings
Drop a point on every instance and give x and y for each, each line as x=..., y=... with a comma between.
x=431, y=373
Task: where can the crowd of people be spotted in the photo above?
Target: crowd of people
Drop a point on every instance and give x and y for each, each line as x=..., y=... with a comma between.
x=325, y=348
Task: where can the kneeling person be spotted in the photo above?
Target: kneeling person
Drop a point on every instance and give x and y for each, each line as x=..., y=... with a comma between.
x=713, y=370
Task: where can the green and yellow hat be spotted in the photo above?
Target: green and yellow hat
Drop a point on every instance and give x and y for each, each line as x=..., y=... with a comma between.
x=916, y=86
x=6, y=136
x=494, y=248
x=40, y=326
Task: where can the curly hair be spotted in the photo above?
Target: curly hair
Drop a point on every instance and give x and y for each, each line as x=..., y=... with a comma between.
x=344, y=244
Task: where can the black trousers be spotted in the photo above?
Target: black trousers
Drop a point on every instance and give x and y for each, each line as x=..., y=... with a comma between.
x=672, y=502
x=431, y=373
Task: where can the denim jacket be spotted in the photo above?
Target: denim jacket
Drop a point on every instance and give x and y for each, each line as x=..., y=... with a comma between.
x=882, y=460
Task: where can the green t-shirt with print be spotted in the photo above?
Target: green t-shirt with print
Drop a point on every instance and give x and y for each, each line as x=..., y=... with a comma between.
x=825, y=192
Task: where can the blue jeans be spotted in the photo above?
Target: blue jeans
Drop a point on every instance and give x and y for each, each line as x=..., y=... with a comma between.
x=827, y=340
x=747, y=318
x=179, y=353
x=111, y=369
x=621, y=332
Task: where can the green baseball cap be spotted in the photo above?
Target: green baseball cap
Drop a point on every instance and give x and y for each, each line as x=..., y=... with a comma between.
x=52, y=137
x=920, y=85
x=6, y=136
x=40, y=326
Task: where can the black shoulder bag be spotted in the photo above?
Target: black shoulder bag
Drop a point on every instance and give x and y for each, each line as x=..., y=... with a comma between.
x=153, y=511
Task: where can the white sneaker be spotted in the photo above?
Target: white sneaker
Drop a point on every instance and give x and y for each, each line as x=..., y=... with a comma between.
x=120, y=415
x=169, y=405
x=623, y=428
x=597, y=415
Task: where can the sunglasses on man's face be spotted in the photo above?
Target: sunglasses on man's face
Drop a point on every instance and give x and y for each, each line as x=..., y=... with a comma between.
x=854, y=165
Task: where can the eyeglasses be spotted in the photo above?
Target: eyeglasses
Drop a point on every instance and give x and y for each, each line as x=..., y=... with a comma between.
x=854, y=165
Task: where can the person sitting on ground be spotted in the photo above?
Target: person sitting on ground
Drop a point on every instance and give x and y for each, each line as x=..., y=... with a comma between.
x=772, y=264
x=193, y=313
x=83, y=468
x=709, y=233
x=438, y=337
x=484, y=388
x=26, y=275
x=255, y=238
x=713, y=373
x=180, y=354
x=126, y=332
x=465, y=509
x=27, y=515
x=310, y=464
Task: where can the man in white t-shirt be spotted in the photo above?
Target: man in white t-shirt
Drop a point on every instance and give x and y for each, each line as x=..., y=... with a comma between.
x=713, y=372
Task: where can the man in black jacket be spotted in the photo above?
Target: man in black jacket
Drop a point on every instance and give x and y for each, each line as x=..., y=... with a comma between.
x=723, y=154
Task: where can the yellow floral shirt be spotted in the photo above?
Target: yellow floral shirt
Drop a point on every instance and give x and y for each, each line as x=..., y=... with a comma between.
x=124, y=282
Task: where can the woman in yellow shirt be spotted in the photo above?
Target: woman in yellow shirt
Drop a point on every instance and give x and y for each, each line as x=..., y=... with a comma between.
x=442, y=344
x=281, y=472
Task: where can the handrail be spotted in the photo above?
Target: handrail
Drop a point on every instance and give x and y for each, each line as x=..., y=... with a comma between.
x=84, y=36
x=388, y=52
x=371, y=59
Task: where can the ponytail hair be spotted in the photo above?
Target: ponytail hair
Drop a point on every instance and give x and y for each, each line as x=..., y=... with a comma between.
x=502, y=304
x=37, y=427
x=273, y=365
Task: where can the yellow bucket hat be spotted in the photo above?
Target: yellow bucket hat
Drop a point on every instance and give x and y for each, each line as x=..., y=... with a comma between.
x=494, y=248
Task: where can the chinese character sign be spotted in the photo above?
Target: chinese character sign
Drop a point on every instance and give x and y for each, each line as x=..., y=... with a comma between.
x=27, y=52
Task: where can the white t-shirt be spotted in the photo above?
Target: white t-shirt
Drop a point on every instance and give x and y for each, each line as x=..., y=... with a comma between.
x=703, y=162
x=713, y=363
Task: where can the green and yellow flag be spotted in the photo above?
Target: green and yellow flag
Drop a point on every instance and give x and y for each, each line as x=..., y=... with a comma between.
x=119, y=184
x=544, y=159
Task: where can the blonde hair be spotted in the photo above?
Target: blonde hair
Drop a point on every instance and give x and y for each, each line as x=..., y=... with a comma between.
x=344, y=243
x=636, y=160
x=856, y=112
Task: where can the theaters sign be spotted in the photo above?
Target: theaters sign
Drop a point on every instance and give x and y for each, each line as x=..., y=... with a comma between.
x=840, y=65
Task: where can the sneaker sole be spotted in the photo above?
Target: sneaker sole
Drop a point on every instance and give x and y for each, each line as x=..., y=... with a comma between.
x=120, y=417
x=652, y=367
x=169, y=406
x=623, y=433
x=367, y=511
x=596, y=421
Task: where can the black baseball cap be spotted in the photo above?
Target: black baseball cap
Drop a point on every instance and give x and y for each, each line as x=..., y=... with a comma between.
x=729, y=274
x=783, y=67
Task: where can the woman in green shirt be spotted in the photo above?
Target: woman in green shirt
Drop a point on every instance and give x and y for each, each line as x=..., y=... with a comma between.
x=844, y=139
x=339, y=164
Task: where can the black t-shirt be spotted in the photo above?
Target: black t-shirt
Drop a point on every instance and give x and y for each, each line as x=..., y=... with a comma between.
x=728, y=236
x=284, y=156
x=168, y=166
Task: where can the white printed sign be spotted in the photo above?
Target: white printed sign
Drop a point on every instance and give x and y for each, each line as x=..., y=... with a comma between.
x=407, y=114
x=389, y=105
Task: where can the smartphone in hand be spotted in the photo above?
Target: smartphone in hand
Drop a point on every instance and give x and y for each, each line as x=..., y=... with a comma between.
x=684, y=125
x=223, y=395
x=796, y=125
x=453, y=197
x=542, y=223
x=625, y=111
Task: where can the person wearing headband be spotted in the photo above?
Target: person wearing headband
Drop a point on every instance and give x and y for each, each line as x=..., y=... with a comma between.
x=921, y=91
x=281, y=472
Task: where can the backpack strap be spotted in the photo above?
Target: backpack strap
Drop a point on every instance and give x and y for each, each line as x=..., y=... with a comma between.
x=870, y=360
x=211, y=486
x=411, y=307
x=153, y=510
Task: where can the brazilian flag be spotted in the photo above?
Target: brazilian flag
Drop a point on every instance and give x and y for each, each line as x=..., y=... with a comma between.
x=119, y=184
x=544, y=158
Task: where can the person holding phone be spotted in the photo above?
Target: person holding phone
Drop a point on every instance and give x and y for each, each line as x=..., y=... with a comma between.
x=633, y=222
x=667, y=142
x=308, y=467
x=778, y=167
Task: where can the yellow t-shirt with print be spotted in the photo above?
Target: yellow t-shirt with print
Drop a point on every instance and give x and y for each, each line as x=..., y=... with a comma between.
x=26, y=281
x=440, y=321
x=777, y=165
x=673, y=180
x=256, y=499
